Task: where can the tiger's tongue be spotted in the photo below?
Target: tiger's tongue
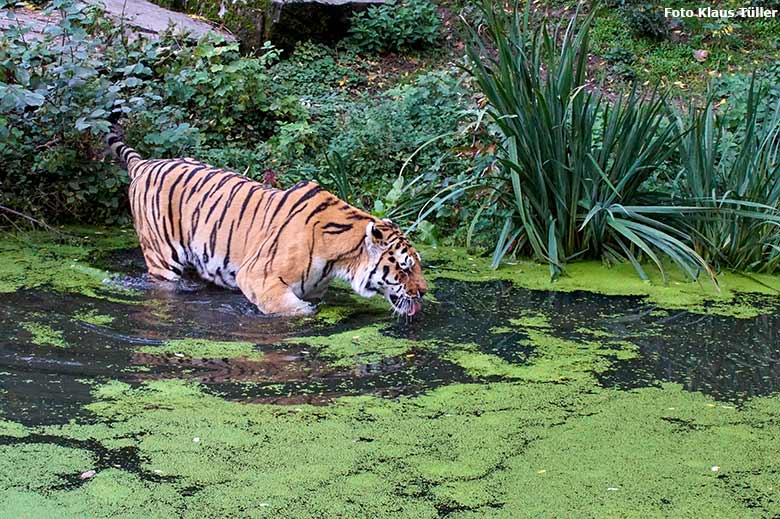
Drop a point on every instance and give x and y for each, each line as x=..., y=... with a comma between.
x=416, y=307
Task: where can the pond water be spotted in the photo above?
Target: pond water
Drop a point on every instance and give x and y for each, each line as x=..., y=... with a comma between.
x=728, y=358
x=58, y=349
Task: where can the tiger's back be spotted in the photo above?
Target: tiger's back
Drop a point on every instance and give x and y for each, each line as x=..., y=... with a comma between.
x=189, y=215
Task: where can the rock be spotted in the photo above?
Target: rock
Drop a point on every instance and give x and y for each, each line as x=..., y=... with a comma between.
x=148, y=18
x=283, y=22
x=141, y=17
x=88, y=474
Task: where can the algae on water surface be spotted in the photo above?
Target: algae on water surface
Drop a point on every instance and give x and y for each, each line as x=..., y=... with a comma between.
x=505, y=449
x=533, y=403
x=62, y=262
x=619, y=279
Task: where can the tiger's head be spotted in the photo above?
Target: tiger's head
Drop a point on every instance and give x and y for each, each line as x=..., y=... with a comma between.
x=393, y=268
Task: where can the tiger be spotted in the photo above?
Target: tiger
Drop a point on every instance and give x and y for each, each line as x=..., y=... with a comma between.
x=280, y=248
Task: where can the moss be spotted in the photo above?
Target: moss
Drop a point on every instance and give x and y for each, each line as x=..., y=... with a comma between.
x=203, y=348
x=553, y=359
x=331, y=314
x=366, y=344
x=93, y=317
x=537, y=438
x=652, y=450
x=34, y=466
x=531, y=320
x=43, y=259
x=620, y=279
x=44, y=335
x=503, y=449
x=12, y=429
x=348, y=305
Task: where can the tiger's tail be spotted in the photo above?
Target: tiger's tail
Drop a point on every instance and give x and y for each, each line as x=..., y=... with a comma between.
x=126, y=155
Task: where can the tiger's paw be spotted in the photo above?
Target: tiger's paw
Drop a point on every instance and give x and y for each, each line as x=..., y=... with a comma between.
x=292, y=308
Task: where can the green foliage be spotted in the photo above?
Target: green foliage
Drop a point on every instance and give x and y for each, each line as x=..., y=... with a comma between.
x=574, y=164
x=621, y=61
x=645, y=18
x=56, y=98
x=226, y=90
x=338, y=176
x=395, y=26
x=379, y=138
x=60, y=93
x=734, y=91
x=315, y=70
x=243, y=158
x=738, y=175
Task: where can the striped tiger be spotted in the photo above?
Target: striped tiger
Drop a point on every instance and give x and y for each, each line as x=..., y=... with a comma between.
x=281, y=248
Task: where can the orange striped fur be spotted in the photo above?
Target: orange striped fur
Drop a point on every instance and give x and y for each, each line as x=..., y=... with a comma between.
x=280, y=248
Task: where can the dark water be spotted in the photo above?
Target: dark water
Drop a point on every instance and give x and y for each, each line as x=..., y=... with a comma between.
x=730, y=359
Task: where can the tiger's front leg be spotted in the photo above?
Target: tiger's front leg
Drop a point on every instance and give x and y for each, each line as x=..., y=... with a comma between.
x=273, y=297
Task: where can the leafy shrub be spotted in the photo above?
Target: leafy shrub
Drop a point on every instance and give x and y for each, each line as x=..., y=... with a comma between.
x=768, y=4
x=251, y=161
x=739, y=177
x=376, y=141
x=621, y=61
x=57, y=93
x=573, y=164
x=644, y=18
x=60, y=93
x=733, y=90
x=315, y=70
x=229, y=92
x=395, y=26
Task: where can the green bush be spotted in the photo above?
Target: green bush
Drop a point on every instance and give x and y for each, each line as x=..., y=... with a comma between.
x=227, y=91
x=738, y=175
x=645, y=19
x=621, y=63
x=376, y=141
x=59, y=95
x=316, y=70
x=574, y=164
x=395, y=26
x=733, y=90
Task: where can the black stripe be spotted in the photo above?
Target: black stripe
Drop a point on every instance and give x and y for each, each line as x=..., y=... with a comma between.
x=171, y=194
x=214, y=206
x=247, y=198
x=229, y=202
x=229, y=242
x=310, y=193
x=324, y=205
x=287, y=193
x=340, y=228
x=202, y=182
x=305, y=275
x=275, y=243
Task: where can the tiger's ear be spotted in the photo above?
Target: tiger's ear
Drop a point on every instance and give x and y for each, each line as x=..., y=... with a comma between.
x=374, y=239
x=391, y=223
